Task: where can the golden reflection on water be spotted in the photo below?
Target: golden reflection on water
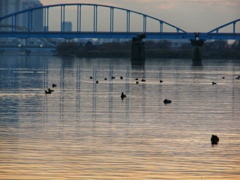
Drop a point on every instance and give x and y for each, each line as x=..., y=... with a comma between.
x=85, y=131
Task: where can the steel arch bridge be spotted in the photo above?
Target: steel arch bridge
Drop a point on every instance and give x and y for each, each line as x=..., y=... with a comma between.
x=164, y=30
x=233, y=23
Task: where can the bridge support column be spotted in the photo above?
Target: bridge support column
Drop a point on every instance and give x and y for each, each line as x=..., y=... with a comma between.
x=197, y=48
x=138, y=48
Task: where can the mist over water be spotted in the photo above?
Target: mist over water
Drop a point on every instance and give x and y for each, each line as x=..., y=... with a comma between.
x=84, y=130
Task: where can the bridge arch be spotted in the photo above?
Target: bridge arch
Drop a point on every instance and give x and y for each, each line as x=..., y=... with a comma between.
x=13, y=18
x=233, y=23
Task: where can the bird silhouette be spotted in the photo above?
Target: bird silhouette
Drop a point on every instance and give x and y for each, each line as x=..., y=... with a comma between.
x=123, y=95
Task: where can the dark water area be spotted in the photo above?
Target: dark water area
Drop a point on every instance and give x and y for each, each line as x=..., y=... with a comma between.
x=84, y=130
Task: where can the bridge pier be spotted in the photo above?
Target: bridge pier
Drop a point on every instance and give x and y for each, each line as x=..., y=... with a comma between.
x=197, y=48
x=138, y=48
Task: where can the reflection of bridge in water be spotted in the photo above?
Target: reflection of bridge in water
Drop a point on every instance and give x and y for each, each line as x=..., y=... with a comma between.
x=106, y=22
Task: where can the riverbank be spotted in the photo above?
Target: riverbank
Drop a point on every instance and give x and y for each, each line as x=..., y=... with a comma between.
x=152, y=50
x=33, y=51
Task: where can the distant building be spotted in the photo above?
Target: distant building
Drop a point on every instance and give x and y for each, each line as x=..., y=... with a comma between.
x=12, y=6
x=67, y=26
x=37, y=18
x=8, y=7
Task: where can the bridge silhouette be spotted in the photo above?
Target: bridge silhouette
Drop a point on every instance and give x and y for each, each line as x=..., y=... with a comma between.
x=106, y=22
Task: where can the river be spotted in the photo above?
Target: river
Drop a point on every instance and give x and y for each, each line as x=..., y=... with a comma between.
x=84, y=130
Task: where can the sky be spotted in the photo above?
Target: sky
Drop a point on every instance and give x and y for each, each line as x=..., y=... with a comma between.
x=189, y=15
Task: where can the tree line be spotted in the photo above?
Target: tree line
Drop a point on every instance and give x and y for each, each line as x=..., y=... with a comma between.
x=153, y=49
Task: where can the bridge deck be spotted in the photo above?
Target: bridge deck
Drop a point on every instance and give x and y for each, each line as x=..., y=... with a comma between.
x=118, y=35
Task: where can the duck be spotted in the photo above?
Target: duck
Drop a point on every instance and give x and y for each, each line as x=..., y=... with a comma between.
x=214, y=139
x=105, y=79
x=54, y=85
x=113, y=77
x=213, y=83
x=50, y=90
x=121, y=77
x=90, y=77
x=167, y=101
x=123, y=95
x=143, y=80
x=96, y=82
x=161, y=81
x=136, y=79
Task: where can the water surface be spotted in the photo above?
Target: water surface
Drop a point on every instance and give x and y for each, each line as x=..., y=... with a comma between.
x=84, y=130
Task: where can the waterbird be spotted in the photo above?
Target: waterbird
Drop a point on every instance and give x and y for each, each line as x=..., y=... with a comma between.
x=54, y=85
x=123, y=95
x=50, y=90
x=167, y=101
x=121, y=77
x=161, y=81
x=214, y=139
x=113, y=77
x=105, y=79
x=143, y=80
x=47, y=92
x=238, y=77
x=213, y=83
x=96, y=82
x=90, y=77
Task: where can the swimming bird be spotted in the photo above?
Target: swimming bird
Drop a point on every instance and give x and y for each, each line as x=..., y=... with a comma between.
x=214, y=139
x=238, y=77
x=113, y=77
x=47, y=92
x=90, y=77
x=50, y=90
x=121, y=77
x=96, y=82
x=105, y=79
x=136, y=79
x=54, y=85
x=167, y=101
x=143, y=80
x=123, y=95
x=161, y=81
x=213, y=83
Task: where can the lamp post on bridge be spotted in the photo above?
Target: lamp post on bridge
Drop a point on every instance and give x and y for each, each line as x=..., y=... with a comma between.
x=197, y=44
